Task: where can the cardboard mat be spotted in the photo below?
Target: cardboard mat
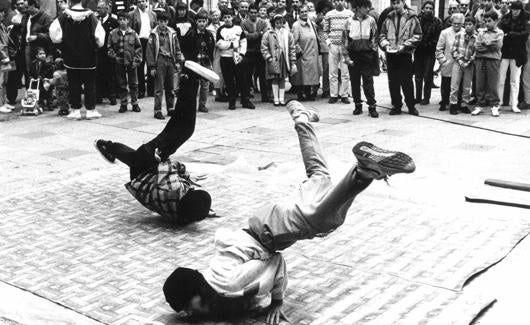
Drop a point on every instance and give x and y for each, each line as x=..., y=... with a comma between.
x=87, y=244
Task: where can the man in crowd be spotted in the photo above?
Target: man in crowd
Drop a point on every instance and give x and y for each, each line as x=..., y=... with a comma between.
x=398, y=37
x=242, y=13
x=453, y=9
x=14, y=78
x=195, y=7
x=105, y=73
x=487, y=6
x=35, y=32
x=80, y=34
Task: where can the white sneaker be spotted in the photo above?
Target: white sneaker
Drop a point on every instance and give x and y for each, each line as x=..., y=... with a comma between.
x=495, y=111
x=92, y=114
x=75, y=114
x=516, y=110
x=12, y=107
x=5, y=109
x=477, y=110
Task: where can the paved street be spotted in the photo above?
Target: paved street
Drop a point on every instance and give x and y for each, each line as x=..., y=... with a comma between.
x=76, y=248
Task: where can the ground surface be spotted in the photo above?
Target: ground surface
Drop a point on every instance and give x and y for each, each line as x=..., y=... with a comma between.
x=77, y=249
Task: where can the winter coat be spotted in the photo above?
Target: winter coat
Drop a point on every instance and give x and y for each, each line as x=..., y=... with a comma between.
x=431, y=27
x=153, y=46
x=408, y=35
x=515, y=36
x=193, y=42
x=360, y=44
x=270, y=48
x=40, y=27
x=306, y=45
x=4, y=43
x=128, y=52
x=40, y=69
x=444, y=50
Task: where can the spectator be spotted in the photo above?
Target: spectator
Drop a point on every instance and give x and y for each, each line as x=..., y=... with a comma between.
x=120, y=5
x=198, y=45
x=464, y=8
x=453, y=9
x=61, y=6
x=105, y=73
x=142, y=20
x=81, y=34
x=463, y=54
x=220, y=91
x=399, y=36
x=311, y=12
x=126, y=51
x=16, y=53
x=183, y=23
x=42, y=70
x=277, y=48
x=163, y=56
x=242, y=13
x=323, y=7
x=294, y=13
x=60, y=83
x=232, y=43
x=334, y=23
x=195, y=7
x=514, y=26
x=487, y=6
x=504, y=9
x=162, y=5
x=445, y=58
x=362, y=55
x=35, y=31
x=488, y=60
x=18, y=13
x=424, y=58
x=4, y=59
x=305, y=39
x=222, y=4
x=254, y=28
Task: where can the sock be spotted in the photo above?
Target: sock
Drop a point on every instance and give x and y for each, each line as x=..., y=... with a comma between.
x=282, y=95
x=275, y=92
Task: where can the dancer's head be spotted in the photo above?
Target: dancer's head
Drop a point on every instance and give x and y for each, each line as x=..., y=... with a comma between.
x=194, y=206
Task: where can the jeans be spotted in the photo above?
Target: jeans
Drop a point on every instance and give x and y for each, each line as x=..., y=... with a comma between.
x=3, y=78
x=78, y=78
x=204, y=86
x=319, y=207
x=124, y=75
x=165, y=70
x=399, y=70
x=336, y=62
x=141, y=73
x=177, y=131
x=515, y=75
x=487, y=76
x=368, y=86
x=423, y=74
x=235, y=79
x=461, y=78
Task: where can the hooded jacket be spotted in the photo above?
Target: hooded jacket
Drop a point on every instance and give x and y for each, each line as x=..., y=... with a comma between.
x=406, y=31
x=153, y=47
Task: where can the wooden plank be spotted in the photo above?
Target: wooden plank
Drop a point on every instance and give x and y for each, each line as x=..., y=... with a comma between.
x=508, y=184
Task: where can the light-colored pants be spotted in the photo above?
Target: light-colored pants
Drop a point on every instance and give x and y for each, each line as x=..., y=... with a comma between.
x=336, y=62
x=487, y=77
x=462, y=76
x=3, y=79
x=204, y=87
x=515, y=75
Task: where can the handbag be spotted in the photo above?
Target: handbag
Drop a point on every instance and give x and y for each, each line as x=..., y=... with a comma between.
x=273, y=67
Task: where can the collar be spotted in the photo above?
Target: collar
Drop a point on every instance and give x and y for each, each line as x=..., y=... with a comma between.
x=77, y=6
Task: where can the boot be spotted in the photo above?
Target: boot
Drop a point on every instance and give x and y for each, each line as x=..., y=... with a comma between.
x=358, y=109
x=372, y=112
x=453, y=109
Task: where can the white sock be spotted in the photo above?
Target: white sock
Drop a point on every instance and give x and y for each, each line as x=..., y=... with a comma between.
x=275, y=92
x=282, y=95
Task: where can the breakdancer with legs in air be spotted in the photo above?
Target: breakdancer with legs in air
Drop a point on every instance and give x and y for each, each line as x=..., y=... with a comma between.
x=247, y=270
x=162, y=185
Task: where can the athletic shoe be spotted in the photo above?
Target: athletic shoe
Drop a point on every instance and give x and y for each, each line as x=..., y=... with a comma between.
x=515, y=109
x=202, y=71
x=295, y=108
x=103, y=149
x=5, y=109
x=75, y=114
x=477, y=110
x=9, y=106
x=92, y=114
x=377, y=163
x=495, y=111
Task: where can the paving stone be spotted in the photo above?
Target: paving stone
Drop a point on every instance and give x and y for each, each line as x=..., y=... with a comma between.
x=475, y=147
x=130, y=124
x=36, y=134
x=67, y=153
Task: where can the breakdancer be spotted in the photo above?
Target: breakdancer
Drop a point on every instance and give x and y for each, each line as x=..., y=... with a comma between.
x=159, y=184
x=247, y=270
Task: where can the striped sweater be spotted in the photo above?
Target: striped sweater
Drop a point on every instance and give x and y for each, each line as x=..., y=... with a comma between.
x=334, y=25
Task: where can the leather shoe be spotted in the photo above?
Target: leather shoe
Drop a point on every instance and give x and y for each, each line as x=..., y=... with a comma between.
x=123, y=109
x=113, y=101
x=413, y=111
x=333, y=100
x=358, y=109
x=395, y=111
x=345, y=100
x=136, y=108
x=248, y=104
x=159, y=116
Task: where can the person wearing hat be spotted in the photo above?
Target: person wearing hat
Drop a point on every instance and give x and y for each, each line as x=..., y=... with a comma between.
x=160, y=184
x=163, y=57
x=514, y=26
x=247, y=271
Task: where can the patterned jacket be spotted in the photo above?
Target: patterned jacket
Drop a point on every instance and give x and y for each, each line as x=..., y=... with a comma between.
x=431, y=27
x=153, y=47
x=463, y=50
x=408, y=34
x=161, y=189
x=125, y=49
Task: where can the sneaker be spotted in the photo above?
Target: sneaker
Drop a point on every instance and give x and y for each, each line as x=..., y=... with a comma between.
x=248, y=104
x=345, y=100
x=358, y=109
x=333, y=100
x=515, y=109
x=75, y=114
x=202, y=71
x=5, y=109
x=477, y=110
x=495, y=111
x=395, y=111
x=377, y=163
x=136, y=108
x=92, y=114
x=103, y=149
x=372, y=112
x=158, y=115
x=7, y=105
x=295, y=108
x=123, y=108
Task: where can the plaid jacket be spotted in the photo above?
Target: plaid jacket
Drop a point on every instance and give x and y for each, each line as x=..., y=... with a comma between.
x=125, y=49
x=161, y=189
x=464, y=48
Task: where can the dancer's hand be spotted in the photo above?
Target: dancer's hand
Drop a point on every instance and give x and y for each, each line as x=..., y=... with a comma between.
x=153, y=72
x=276, y=314
x=157, y=155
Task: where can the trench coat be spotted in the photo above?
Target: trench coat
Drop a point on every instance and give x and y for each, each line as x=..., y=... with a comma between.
x=270, y=48
x=306, y=42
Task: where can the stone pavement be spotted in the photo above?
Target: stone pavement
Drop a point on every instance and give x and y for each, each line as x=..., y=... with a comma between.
x=71, y=233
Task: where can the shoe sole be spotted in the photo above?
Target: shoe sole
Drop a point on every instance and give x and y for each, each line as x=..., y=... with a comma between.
x=101, y=153
x=294, y=105
x=382, y=162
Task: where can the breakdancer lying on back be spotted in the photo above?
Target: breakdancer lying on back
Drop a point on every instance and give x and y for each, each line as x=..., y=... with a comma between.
x=162, y=185
x=247, y=270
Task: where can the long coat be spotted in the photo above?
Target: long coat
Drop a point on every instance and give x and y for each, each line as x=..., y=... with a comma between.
x=306, y=42
x=444, y=51
x=270, y=48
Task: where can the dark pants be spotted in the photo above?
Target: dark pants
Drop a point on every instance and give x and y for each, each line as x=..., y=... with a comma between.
x=445, y=90
x=78, y=78
x=368, y=85
x=235, y=77
x=423, y=74
x=165, y=70
x=255, y=63
x=105, y=79
x=177, y=131
x=14, y=79
x=126, y=75
x=400, y=78
x=141, y=73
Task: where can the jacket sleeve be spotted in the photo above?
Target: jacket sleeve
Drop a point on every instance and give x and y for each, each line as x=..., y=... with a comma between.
x=44, y=36
x=383, y=41
x=56, y=32
x=345, y=41
x=454, y=48
x=150, y=52
x=222, y=44
x=292, y=50
x=243, y=43
x=137, y=50
x=251, y=36
x=179, y=57
x=280, y=279
x=440, y=49
x=110, y=52
x=211, y=47
x=373, y=34
x=416, y=35
x=265, y=52
x=497, y=42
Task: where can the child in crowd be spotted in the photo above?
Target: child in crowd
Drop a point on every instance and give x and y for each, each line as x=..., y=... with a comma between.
x=488, y=60
x=198, y=45
x=126, y=50
x=60, y=83
x=42, y=70
x=464, y=54
x=163, y=57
